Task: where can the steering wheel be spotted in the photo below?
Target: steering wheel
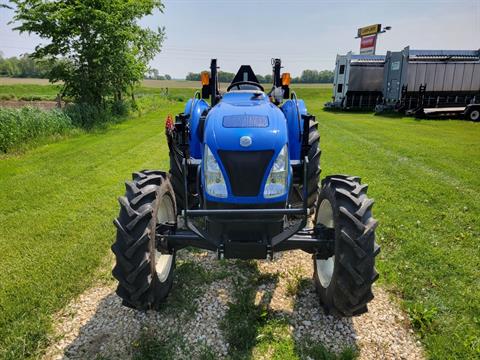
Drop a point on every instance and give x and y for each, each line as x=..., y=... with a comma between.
x=237, y=84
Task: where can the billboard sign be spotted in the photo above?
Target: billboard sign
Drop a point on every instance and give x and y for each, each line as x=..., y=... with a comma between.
x=368, y=44
x=369, y=30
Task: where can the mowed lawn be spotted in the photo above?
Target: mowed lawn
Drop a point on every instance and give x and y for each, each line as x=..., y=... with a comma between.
x=57, y=203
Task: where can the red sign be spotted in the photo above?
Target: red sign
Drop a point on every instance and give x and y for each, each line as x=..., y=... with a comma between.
x=367, y=44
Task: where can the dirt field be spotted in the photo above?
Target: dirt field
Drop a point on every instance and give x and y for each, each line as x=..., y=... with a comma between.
x=47, y=105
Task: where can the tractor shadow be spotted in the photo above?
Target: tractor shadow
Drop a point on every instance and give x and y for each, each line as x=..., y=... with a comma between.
x=281, y=316
x=268, y=309
x=98, y=326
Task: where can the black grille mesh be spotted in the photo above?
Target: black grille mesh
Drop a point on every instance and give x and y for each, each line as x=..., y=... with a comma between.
x=245, y=170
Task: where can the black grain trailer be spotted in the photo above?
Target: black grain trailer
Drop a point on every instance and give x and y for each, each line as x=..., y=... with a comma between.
x=358, y=82
x=415, y=80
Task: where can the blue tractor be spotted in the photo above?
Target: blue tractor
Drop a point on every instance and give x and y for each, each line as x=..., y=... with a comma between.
x=244, y=183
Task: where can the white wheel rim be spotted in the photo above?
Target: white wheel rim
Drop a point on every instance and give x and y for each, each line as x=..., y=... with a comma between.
x=325, y=267
x=163, y=262
x=475, y=115
x=163, y=265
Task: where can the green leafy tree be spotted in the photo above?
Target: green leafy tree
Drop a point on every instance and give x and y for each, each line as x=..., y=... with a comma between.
x=98, y=48
x=23, y=66
x=193, y=76
x=225, y=77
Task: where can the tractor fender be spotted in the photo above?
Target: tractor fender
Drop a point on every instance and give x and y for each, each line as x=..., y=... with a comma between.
x=295, y=127
x=195, y=108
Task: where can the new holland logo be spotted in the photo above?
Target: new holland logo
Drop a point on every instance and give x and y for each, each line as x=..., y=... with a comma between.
x=245, y=141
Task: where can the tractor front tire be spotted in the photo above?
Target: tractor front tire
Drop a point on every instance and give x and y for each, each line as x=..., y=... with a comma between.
x=144, y=273
x=344, y=275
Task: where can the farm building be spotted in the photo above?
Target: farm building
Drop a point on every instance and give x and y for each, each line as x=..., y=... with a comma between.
x=358, y=81
x=430, y=78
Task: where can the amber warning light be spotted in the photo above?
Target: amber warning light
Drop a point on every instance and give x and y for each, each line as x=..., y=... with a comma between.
x=205, y=77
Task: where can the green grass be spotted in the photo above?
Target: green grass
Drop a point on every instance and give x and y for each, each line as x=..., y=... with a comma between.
x=57, y=202
x=253, y=330
x=26, y=127
x=22, y=91
x=28, y=92
x=19, y=126
x=424, y=177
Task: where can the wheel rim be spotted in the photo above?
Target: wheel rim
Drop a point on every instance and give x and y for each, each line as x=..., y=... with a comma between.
x=165, y=214
x=325, y=267
x=475, y=115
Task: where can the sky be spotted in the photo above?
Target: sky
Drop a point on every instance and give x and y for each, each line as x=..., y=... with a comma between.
x=304, y=34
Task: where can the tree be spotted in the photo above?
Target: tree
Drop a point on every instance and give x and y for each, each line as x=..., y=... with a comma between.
x=260, y=78
x=24, y=66
x=168, y=77
x=97, y=46
x=193, y=76
x=314, y=76
x=225, y=77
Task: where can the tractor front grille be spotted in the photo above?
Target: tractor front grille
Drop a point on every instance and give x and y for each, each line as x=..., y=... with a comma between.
x=245, y=170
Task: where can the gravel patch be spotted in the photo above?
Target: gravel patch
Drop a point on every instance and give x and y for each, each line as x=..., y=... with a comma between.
x=382, y=333
x=97, y=325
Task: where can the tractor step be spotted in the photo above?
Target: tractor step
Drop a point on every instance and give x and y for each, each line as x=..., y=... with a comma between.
x=244, y=250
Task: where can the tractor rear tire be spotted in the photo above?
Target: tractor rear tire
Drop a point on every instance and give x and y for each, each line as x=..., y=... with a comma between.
x=344, y=276
x=176, y=177
x=144, y=274
x=313, y=171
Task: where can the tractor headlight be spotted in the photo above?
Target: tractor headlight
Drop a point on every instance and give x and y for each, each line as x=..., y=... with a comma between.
x=214, y=181
x=277, y=179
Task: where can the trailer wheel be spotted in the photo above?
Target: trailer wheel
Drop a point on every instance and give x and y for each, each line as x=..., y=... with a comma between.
x=474, y=114
x=144, y=273
x=344, y=274
x=313, y=171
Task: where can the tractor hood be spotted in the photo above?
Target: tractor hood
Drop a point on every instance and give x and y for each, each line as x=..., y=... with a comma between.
x=245, y=121
x=245, y=133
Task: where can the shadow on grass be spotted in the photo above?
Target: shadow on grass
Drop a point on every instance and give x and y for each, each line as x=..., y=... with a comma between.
x=116, y=332
x=251, y=326
x=347, y=111
x=254, y=328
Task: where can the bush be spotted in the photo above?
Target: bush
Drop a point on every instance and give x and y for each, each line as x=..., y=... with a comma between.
x=7, y=97
x=120, y=108
x=18, y=126
x=87, y=116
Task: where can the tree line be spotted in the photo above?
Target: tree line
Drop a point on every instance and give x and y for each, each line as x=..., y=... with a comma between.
x=24, y=66
x=307, y=77
x=154, y=74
